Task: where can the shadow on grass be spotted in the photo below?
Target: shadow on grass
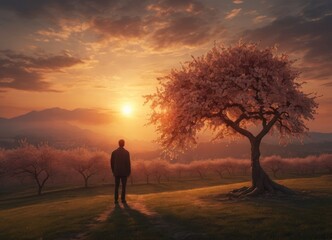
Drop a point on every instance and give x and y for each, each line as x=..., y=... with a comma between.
x=124, y=222
x=305, y=215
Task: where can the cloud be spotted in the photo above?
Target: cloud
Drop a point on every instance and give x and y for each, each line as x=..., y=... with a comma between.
x=124, y=27
x=237, y=1
x=54, y=8
x=23, y=72
x=305, y=34
x=62, y=31
x=148, y=23
x=169, y=7
x=328, y=84
x=233, y=13
x=161, y=24
x=181, y=23
x=190, y=31
x=259, y=19
x=317, y=9
x=283, y=8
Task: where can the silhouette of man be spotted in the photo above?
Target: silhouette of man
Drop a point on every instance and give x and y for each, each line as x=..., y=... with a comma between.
x=120, y=165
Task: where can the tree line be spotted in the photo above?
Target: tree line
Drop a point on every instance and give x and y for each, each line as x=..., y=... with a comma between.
x=43, y=165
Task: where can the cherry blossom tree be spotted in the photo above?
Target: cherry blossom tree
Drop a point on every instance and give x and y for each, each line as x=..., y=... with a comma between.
x=35, y=162
x=243, y=166
x=178, y=168
x=273, y=163
x=229, y=166
x=240, y=90
x=217, y=166
x=326, y=162
x=3, y=164
x=198, y=167
x=87, y=163
x=145, y=168
x=158, y=169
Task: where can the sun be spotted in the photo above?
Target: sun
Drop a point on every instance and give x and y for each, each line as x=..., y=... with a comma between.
x=127, y=110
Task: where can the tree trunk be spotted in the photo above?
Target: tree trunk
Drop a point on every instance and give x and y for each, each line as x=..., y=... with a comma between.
x=274, y=171
x=86, y=179
x=261, y=182
x=40, y=183
x=147, y=179
x=219, y=173
x=229, y=171
x=39, y=190
x=200, y=173
x=158, y=178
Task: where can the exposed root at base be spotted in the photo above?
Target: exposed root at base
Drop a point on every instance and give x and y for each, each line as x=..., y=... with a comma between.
x=271, y=189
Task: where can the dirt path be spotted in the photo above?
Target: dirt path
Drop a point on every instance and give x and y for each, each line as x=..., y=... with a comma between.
x=174, y=231
x=93, y=224
x=170, y=229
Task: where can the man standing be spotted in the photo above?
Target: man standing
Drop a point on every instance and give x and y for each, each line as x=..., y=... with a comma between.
x=120, y=165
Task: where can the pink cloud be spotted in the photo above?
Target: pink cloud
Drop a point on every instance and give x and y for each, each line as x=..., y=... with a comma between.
x=237, y=1
x=233, y=13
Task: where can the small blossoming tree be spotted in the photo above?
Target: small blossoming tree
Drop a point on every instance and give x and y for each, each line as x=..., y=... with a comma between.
x=233, y=91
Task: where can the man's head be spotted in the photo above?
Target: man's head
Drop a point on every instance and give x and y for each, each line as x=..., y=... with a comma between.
x=121, y=143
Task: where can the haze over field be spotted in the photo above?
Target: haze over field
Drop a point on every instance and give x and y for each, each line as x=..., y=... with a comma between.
x=88, y=63
x=70, y=128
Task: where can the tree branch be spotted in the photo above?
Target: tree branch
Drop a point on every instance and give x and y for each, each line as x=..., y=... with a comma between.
x=262, y=116
x=236, y=127
x=283, y=126
x=267, y=128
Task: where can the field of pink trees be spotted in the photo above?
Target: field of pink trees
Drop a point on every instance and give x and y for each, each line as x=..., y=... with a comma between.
x=42, y=166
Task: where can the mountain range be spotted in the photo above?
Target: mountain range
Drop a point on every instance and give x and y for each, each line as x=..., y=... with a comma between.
x=63, y=128
x=54, y=125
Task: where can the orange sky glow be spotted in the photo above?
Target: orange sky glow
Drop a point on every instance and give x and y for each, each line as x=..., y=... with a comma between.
x=105, y=55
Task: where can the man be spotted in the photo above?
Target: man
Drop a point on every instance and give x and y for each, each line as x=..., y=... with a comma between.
x=120, y=165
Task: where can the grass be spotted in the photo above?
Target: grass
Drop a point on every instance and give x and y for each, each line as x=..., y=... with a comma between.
x=50, y=219
x=127, y=223
x=65, y=212
x=202, y=211
x=178, y=212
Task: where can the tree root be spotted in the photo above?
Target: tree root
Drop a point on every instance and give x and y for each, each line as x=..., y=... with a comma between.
x=267, y=188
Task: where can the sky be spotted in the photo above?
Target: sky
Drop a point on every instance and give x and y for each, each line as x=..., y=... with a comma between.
x=103, y=55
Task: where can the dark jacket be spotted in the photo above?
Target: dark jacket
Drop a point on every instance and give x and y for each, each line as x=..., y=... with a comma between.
x=120, y=162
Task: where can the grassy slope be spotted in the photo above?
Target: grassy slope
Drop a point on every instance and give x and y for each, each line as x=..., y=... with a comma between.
x=64, y=213
x=60, y=214
x=202, y=214
x=202, y=211
x=49, y=219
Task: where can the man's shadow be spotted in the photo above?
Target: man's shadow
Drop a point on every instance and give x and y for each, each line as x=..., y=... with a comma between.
x=129, y=223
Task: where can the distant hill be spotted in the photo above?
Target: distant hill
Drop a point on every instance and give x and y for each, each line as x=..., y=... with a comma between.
x=311, y=138
x=318, y=137
x=51, y=125
x=81, y=115
x=241, y=149
x=315, y=144
x=57, y=127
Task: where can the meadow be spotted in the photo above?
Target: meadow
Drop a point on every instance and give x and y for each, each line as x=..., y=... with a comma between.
x=190, y=208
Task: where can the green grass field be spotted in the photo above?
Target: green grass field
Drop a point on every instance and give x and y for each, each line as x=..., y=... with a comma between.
x=188, y=209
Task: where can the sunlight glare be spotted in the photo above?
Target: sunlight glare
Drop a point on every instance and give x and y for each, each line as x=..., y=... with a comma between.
x=127, y=110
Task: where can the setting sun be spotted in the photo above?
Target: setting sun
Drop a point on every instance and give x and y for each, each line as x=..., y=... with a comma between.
x=127, y=110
